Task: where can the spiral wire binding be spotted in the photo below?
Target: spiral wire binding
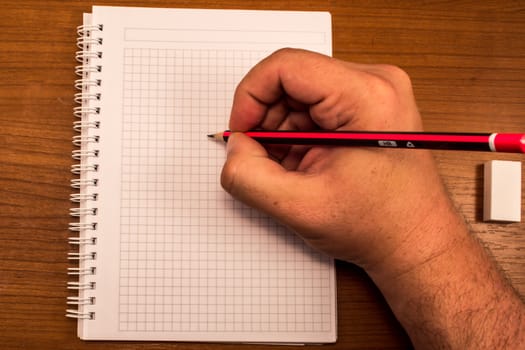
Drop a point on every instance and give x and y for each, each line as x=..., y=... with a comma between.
x=84, y=229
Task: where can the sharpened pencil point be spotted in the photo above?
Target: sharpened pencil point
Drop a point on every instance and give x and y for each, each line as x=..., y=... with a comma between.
x=215, y=137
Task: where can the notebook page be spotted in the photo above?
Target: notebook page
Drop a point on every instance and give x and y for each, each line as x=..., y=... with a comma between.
x=177, y=258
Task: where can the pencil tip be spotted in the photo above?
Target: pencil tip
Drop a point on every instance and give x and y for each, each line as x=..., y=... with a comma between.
x=216, y=137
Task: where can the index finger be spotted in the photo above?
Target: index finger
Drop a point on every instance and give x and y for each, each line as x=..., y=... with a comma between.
x=310, y=78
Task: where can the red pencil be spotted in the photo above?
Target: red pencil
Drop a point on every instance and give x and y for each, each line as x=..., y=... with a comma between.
x=489, y=142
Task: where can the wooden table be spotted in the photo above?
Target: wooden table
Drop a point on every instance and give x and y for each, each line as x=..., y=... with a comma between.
x=467, y=63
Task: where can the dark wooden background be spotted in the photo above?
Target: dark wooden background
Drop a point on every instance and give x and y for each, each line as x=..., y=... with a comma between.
x=467, y=63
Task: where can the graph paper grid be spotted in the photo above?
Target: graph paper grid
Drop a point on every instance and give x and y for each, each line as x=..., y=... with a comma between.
x=191, y=258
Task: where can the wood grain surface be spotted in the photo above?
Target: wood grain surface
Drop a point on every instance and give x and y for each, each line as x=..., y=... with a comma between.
x=467, y=63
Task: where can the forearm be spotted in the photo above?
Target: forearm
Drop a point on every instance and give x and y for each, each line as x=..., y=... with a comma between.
x=455, y=298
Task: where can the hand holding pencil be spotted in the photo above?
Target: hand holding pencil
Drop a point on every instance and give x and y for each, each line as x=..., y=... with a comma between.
x=366, y=194
x=380, y=208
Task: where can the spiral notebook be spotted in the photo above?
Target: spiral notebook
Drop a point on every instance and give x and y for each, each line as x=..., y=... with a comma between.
x=159, y=250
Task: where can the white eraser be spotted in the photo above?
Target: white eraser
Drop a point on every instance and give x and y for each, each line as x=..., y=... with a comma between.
x=502, y=191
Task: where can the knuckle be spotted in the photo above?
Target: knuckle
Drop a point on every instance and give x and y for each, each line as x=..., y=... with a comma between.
x=389, y=82
x=285, y=51
x=397, y=76
x=228, y=175
x=381, y=88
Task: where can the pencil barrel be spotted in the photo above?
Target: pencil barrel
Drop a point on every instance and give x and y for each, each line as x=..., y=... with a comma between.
x=438, y=145
x=406, y=140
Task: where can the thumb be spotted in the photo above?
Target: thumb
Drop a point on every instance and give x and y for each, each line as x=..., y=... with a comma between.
x=250, y=175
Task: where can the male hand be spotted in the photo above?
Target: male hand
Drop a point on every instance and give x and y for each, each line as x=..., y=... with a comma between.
x=358, y=204
x=384, y=209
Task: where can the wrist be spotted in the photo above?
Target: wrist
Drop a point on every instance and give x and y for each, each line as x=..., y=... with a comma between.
x=449, y=292
x=438, y=234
